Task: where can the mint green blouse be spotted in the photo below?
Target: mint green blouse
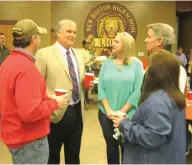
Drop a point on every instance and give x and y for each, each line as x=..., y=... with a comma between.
x=120, y=86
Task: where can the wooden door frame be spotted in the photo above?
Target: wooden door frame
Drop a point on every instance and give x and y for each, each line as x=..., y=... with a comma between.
x=8, y=22
x=9, y=37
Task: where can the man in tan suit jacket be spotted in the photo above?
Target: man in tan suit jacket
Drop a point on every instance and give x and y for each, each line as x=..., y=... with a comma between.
x=55, y=64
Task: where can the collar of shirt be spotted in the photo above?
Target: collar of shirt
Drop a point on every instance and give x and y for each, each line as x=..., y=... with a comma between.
x=1, y=48
x=16, y=48
x=63, y=49
x=182, y=54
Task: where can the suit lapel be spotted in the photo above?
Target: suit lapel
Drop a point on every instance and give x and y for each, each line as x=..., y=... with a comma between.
x=60, y=58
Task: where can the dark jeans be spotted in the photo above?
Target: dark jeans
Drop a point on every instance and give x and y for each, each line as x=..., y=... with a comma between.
x=113, y=154
x=67, y=131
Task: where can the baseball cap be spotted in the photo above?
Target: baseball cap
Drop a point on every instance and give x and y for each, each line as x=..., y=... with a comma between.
x=26, y=28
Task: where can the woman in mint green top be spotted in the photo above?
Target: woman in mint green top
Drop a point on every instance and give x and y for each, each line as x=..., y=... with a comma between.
x=119, y=88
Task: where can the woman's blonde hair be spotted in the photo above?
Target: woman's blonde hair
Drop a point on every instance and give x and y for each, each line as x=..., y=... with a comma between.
x=128, y=47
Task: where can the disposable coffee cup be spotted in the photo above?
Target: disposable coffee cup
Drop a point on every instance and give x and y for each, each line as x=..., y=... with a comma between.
x=88, y=78
x=59, y=92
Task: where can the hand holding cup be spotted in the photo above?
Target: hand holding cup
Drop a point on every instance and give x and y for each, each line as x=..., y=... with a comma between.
x=89, y=77
x=62, y=100
x=59, y=92
x=61, y=96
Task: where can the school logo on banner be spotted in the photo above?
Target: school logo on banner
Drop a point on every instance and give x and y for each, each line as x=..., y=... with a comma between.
x=104, y=22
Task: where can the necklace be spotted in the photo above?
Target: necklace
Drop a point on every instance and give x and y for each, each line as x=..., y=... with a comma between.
x=120, y=67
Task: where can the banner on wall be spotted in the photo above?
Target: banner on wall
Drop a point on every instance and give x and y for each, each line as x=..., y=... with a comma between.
x=103, y=23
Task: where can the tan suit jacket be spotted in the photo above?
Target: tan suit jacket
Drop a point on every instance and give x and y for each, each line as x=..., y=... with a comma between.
x=50, y=62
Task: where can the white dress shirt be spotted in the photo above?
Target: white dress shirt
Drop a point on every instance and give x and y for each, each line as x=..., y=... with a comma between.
x=76, y=67
x=182, y=79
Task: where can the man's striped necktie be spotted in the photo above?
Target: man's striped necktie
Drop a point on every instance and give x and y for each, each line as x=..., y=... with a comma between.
x=75, y=92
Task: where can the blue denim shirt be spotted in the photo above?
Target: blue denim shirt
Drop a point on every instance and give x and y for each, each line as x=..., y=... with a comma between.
x=157, y=132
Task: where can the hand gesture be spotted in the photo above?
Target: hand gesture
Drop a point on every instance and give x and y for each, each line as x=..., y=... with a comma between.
x=110, y=113
x=117, y=118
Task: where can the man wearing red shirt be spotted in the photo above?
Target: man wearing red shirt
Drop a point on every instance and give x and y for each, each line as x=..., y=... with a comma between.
x=25, y=108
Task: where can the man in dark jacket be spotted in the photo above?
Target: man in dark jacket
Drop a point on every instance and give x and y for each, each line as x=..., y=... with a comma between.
x=4, y=51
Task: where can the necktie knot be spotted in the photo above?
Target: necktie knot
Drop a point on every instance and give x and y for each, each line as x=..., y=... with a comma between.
x=68, y=52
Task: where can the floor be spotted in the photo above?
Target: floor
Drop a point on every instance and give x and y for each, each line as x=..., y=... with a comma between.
x=93, y=145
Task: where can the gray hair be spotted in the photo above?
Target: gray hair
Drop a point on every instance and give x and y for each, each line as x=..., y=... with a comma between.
x=61, y=24
x=164, y=31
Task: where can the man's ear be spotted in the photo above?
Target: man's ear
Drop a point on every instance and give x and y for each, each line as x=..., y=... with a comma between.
x=33, y=39
x=56, y=35
x=160, y=41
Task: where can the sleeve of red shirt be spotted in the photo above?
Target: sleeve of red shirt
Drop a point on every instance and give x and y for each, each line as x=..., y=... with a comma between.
x=32, y=102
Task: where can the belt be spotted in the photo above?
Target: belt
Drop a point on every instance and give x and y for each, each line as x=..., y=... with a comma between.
x=70, y=106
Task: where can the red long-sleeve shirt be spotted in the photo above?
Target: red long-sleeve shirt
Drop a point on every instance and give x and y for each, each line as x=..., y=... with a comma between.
x=25, y=108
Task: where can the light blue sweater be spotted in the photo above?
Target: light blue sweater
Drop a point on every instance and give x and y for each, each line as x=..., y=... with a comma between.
x=120, y=87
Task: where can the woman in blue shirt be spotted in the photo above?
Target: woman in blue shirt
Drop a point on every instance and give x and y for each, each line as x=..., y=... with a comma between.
x=120, y=81
x=157, y=132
